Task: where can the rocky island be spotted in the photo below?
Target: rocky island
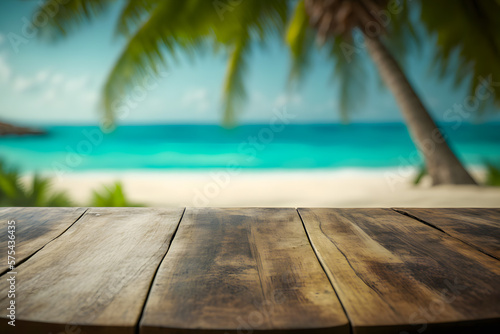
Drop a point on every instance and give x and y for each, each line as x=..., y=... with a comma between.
x=12, y=130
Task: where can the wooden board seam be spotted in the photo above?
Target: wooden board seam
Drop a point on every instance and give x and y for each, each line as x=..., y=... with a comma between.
x=407, y=214
x=139, y=319
x=39, y=249
x=348, y=263
x=320, y=261
x=408, y=263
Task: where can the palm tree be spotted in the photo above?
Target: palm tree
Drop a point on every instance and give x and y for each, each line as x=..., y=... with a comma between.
x=157, y=31
x=336, y=19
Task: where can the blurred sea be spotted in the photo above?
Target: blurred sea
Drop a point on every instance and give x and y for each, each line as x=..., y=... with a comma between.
x=82, y=148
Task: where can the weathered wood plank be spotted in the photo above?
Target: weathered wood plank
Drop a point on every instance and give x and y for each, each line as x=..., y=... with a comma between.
x=95, y=276
x=477, y=227
x=34, y=228
x=393, y=273
x=241, y=270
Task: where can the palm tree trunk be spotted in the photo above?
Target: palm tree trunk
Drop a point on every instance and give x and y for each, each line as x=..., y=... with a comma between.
x=442, y=164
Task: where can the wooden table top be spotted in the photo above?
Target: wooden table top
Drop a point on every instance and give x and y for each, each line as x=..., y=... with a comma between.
x=250, y=270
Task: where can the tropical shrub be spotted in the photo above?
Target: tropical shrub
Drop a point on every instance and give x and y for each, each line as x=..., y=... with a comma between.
x=38, y=192
x=492, y=175
x=111, y=196
x=16, y=192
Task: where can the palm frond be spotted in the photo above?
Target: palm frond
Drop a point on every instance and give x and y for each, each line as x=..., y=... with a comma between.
x=166, y=29
x=70, y=15
x=250, y=23
x=234, y=89
x=190, y=27
x=133, y=15
x=402, y=29
x=300, y=40
x=158, y=30
x=351, y=72
x=470, y=31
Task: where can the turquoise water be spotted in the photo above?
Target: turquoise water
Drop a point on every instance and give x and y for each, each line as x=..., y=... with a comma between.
x=80, y=148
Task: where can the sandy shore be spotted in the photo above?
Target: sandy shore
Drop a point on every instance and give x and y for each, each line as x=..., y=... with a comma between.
x=284, y=188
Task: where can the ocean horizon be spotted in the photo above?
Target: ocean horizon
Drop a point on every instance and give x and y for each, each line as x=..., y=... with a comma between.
x=257, y=146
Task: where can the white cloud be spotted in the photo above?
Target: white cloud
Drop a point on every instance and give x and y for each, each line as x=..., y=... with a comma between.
x=258, y=97
x=60, y=90
x=197, y=99
x=48, y=91
x=285, y=99
x=24, y=84
x=90, y=96
x=42, y=76
x=5, y=70
x=76, y=84
x=49, y=95
x=56, y=79
x=260, y=105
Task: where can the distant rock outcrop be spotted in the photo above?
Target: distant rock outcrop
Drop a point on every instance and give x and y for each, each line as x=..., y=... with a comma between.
x=9, y=129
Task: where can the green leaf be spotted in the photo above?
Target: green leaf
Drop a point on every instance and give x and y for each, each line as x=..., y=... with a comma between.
x=492, y=175
x=111, y=196
x=469, y=31
x=300, y=40
x=64, y=18
x=14, y=192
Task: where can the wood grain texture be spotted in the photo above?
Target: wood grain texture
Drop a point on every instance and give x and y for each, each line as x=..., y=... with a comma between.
x=240, y=271
x=96, y=276
x=34, y=228
x=479, y=228
x=395, y=274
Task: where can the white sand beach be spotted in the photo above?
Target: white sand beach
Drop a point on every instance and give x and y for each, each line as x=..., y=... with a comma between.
x=280, y=188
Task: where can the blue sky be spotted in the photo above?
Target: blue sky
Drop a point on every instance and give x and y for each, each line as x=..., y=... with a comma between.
x=60, y=83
